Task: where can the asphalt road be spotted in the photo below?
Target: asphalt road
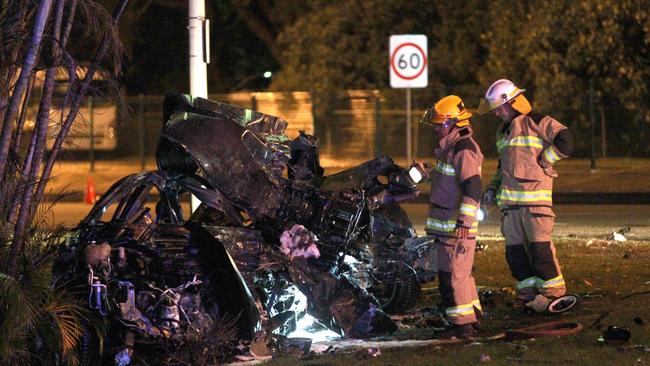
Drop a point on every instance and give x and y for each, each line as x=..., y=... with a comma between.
x=572, y=220
x=597, y=221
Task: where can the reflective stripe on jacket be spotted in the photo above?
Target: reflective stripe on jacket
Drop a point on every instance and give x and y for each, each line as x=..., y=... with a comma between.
x=520, y=180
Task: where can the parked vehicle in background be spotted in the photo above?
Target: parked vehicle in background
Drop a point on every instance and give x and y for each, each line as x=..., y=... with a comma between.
x=96, y=123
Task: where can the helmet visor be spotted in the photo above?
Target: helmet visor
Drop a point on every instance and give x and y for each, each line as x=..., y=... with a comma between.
x=484, y=106
x=432, y=118
x=429, y=116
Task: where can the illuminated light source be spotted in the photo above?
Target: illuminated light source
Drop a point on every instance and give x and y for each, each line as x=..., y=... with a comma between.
x=481, y=214
x=267, y=74
x=415, y=174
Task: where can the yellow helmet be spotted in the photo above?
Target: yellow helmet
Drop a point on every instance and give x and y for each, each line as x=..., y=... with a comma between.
x=501, y=92
x=449, y=107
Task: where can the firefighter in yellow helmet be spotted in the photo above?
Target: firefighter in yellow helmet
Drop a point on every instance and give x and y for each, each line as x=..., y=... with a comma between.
x=453, y=208
x=528, y=144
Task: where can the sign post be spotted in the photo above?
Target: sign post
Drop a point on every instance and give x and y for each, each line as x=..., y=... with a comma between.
x=408, y=69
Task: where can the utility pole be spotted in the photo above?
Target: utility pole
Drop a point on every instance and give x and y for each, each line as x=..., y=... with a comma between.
x=199, y=33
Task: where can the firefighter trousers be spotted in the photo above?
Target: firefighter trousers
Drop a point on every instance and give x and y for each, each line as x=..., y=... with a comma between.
x=530, y=253
x=456, y=283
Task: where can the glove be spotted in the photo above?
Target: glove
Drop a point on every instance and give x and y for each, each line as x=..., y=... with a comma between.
x=489, y=196
x=548, y=168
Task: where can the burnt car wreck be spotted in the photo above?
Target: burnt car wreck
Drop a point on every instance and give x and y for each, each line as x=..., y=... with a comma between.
x=271, y=241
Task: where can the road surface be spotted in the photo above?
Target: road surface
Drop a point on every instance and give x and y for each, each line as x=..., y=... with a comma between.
x=572, y=220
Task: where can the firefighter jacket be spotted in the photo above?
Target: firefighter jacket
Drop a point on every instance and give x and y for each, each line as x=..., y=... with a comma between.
x=526, y=151
x=455, y=184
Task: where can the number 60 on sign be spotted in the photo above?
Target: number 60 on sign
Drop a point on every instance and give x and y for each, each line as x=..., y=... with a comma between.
x=408, y=61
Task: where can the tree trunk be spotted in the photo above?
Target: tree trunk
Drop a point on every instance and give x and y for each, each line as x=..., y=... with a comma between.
x=8, y=74
x=34, y=156
x=69, y=22
x=42, y=13
x=76, y=101
x=18, y=135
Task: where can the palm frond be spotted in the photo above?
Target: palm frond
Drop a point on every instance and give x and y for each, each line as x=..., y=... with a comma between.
x=68, y=315
x=16, y=318
x=44, y=215
x=93, y=16
x=33, y=307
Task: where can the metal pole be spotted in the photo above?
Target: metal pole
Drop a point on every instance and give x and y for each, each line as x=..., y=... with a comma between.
x=603, y=133
x=91, y=122
x=377, y=127
x=141, y=131
x=592, y=127
x=408, y=126
x=416, y=139
x=199, y=39
x=199, y=44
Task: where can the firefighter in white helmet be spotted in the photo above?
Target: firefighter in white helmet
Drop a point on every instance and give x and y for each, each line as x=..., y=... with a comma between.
x=453, y=207
x=528, y=144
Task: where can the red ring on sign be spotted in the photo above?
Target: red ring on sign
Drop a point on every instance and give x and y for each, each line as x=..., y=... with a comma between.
x=392, y=61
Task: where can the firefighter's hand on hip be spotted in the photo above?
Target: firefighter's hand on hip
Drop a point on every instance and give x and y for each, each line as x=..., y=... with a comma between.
x=546, y=166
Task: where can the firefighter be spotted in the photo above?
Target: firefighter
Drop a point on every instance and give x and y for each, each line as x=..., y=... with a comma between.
x=528, y=144
x=452, y=217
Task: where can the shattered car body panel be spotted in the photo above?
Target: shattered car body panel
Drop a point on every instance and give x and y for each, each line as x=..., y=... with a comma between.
x=225, y=260
x=228, y=154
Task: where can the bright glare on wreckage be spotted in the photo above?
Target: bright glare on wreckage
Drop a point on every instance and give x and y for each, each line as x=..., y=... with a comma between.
x=307, y=326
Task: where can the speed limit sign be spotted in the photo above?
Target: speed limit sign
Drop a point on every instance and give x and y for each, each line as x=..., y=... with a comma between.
x=408, y=61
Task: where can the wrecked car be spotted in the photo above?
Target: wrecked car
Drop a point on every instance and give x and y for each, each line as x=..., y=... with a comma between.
x=270, y=230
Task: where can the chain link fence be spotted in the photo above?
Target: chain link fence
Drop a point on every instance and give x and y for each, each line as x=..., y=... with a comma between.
x=353, y=126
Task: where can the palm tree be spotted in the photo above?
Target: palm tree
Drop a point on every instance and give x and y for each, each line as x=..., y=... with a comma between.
x=42, y=44
x=40, y=319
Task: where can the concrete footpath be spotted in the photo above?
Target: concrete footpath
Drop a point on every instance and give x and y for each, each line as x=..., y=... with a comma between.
x=615, y=181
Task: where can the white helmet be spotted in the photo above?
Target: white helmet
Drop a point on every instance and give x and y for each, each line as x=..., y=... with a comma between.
x=499, y=93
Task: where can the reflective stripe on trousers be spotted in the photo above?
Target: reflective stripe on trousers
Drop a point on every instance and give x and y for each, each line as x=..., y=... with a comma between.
x=465, y=309
x=545, y=195
x=528, y=282
x=553, y=282
x=540, y=283
x=447, y=226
